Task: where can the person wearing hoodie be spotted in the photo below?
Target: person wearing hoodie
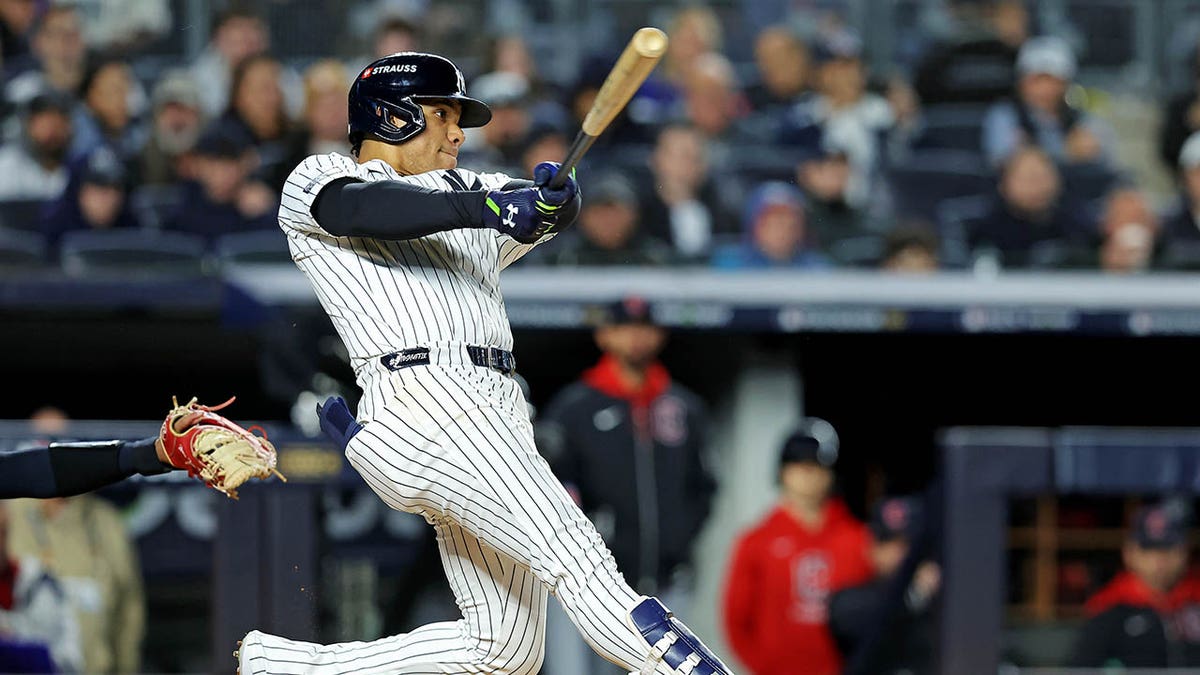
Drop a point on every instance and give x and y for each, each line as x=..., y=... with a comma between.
x=786, y=568
x=627, y=416
x=1148, y=616
x=775, y=233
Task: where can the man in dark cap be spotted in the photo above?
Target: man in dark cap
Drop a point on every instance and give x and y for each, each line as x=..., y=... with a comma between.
x=785, y=569
x=35, y=167
x=1148, y=616
x=609, y=231
x=223, y=198
x=96, y=198
x=629, y=443
x=906, y=633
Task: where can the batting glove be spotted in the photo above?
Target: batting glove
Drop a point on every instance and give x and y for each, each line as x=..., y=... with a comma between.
x=528, y=214
x=337, y=421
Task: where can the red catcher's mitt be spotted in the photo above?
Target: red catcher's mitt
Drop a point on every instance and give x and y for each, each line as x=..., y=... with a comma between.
x=219, y=452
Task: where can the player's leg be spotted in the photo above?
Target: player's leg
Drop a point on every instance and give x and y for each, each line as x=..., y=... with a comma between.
x=560, y=544
x=502, y=629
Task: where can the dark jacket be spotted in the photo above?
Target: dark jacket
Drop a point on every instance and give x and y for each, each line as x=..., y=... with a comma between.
x=634, y=459
x=197, y=214
x=1054, y=239
x=979, y=69
x=906, y=644
x=1130, y=625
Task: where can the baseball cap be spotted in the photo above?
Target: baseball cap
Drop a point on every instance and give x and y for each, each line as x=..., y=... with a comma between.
x=219, y=145
x=839, y=44
x=630, y=309
x=610, y=189
x=1159, y=526
x=771, y=195
x=1046, y=55
x=499, y=89
x=1189, y=154
x=49, y=100
x=176, y=87
x=895, y=518
x=103, y=167
x=814, y=440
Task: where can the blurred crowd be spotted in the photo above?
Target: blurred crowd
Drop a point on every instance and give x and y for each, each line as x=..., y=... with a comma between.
x=981, y=149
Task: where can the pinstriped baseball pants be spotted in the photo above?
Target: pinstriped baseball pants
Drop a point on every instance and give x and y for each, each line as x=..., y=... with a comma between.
x=455, y=445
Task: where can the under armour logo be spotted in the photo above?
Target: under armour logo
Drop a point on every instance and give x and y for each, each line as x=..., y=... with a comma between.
x=508, y=219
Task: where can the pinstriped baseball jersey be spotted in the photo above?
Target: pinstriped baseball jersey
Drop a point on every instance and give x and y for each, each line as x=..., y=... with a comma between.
x=384, y=296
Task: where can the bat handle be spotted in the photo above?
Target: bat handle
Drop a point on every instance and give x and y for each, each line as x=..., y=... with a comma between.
x=579, y=146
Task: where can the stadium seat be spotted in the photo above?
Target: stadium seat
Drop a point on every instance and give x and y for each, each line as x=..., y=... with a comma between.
x=132, y=252
x=954, y=218
x=22, y=214
x=951, y=127
x=258, y=246
x=925, y=179
x=21, y=251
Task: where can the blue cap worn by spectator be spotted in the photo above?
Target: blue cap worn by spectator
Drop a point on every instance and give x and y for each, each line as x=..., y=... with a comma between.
x=815, y=440
x=611, y=189
x=1189, y=154
x=771, y=195
x=103, y=167
x=840, y=44
x=1046, y=55
x=49, y=100
x=895, y=518
x=1159, y=526
x=219, y=146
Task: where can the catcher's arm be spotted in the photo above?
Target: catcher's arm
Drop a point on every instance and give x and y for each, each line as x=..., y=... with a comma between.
x=66, y=469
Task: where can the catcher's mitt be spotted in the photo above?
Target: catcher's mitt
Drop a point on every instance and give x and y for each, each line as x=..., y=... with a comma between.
x=219, y=452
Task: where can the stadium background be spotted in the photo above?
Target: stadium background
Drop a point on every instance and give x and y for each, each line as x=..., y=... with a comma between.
x=110, y=340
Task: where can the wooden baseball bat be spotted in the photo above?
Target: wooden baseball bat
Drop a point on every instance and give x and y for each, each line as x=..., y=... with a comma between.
x=643, y=52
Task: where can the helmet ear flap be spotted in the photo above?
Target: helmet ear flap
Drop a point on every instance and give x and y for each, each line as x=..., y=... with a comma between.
x=377, y=117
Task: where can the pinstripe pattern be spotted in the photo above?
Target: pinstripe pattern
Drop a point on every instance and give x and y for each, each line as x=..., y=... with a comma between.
x=452, y=442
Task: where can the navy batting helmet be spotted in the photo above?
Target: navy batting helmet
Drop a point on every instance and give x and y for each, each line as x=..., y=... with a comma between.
x=394, y=85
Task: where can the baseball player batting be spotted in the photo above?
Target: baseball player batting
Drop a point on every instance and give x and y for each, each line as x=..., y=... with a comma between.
x=404, y=251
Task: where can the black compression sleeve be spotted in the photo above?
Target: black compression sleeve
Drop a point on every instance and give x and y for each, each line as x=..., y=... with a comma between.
x=66, y=469
x=394, y=210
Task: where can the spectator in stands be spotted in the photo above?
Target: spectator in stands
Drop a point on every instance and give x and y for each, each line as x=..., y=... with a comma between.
x=498, y=145
x=237, y=34
x=509, y=53
x=127, y=26
x=911, y=249
x=16, y=20
x=1128, y=231
x=775, y=233
x=96, y=198
x=58, y=60
x=843, y=112
x=629, y=443
x=325, y=114
x=782, y=60
x=1029, y=222
x=977, y=64
x=174, y=128
x=903, y=636
x=257, y=118
x=395, y=34
x=83, y=541
x=608, y=231
x=1041, y=115
x=826, y=179
x=785, y=569
x=694, y=31
x=106, y=117
x=680, y=202
x=1146, y=616
x=221, y=198
x=38, y=631
x=543, y=143
x=1181, y=119
x=1181, y=229
x=35, y=166
x=713, y=102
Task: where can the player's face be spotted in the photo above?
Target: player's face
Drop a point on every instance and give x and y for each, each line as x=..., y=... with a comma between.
x=806, y=482
x=1158, y=568
x=436, y=147
x=634, y=344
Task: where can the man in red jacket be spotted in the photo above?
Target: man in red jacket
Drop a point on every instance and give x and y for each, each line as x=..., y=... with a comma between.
x=786, y=568
x=1148, y=616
